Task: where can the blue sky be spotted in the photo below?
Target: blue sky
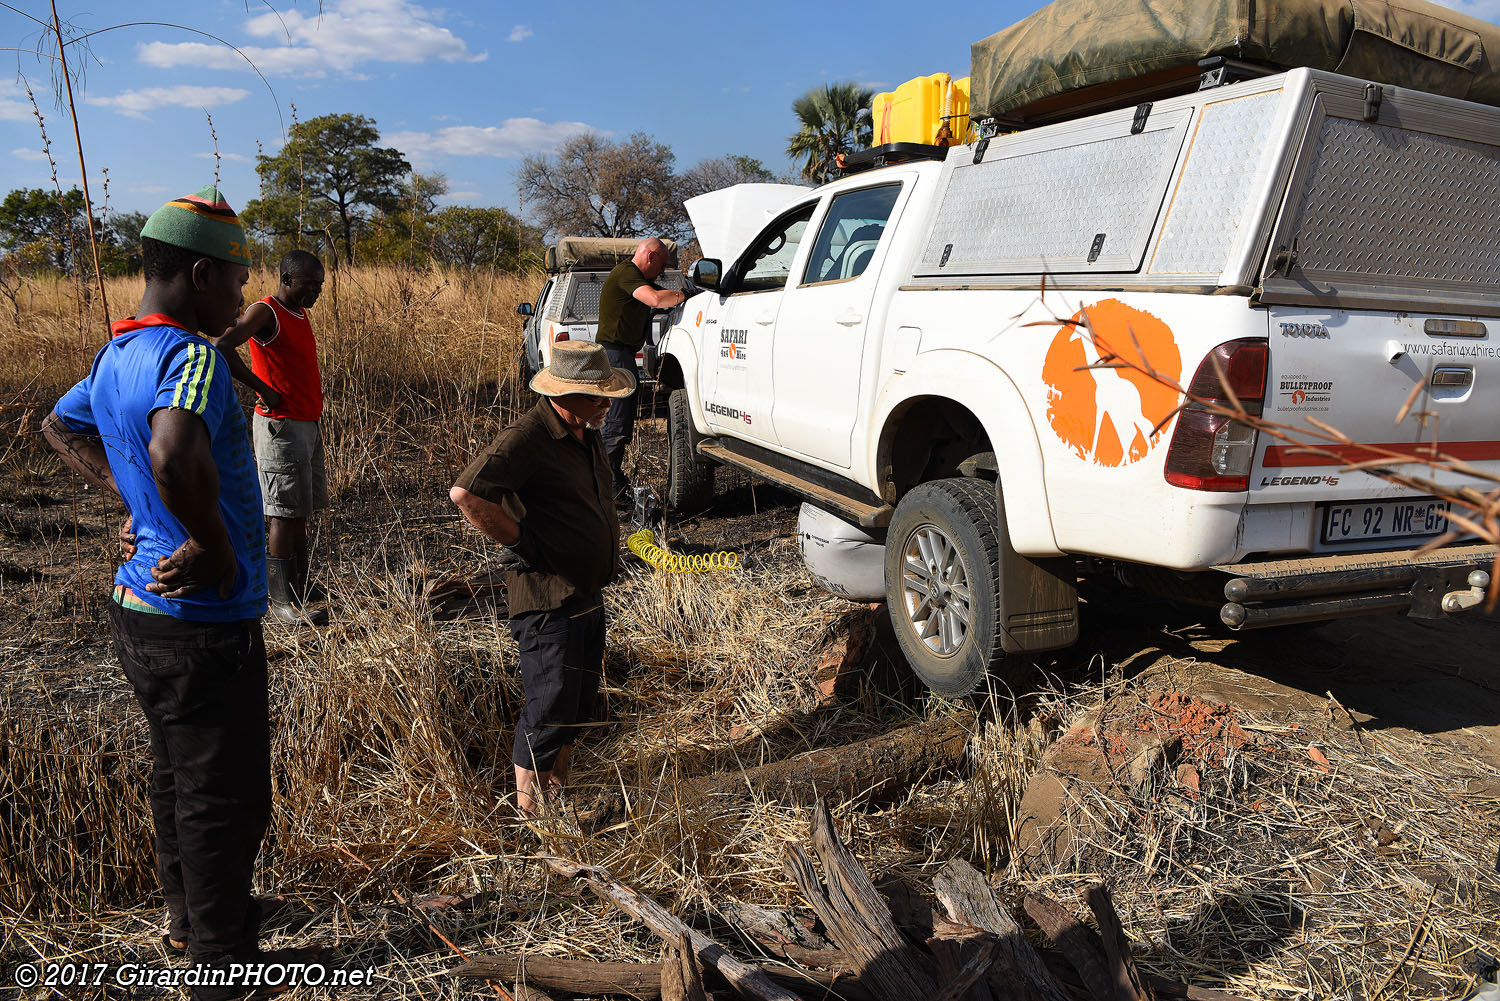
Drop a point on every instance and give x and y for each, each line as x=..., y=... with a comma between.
x=465, y=89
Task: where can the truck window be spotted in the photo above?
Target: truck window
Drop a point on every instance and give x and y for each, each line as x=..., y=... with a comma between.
x=851, y=231
x=768, y=263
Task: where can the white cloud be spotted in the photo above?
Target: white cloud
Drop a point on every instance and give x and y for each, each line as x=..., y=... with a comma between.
x=346, y=34
x=135, y=103
x=455, y=197
x=514, y=137
x=14, y=105
x=519, y=33
x=148, y=189
x=231, y=157
x=27, y=153
x=1485, y=10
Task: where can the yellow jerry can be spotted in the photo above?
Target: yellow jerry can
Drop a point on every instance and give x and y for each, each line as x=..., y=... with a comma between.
x=916, y=111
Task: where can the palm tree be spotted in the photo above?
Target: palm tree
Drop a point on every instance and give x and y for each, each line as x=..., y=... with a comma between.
x=832, y=119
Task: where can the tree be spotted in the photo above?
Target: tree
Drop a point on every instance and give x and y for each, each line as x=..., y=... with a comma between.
x=328, y=177
x=467, y=236
x=829, y=123
x=41, y=228
x=722, y=172
x=403, y=233
x=594, y=187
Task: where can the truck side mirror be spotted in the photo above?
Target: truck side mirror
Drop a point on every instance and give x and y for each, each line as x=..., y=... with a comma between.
x=707, y=273
x=524, y=309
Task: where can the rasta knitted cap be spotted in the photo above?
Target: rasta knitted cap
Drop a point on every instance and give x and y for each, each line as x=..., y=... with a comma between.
x=202, y=221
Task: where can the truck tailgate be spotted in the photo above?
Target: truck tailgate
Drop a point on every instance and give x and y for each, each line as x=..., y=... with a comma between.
x=1354, y=371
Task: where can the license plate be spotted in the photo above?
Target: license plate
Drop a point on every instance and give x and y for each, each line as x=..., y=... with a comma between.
x=1420, y=518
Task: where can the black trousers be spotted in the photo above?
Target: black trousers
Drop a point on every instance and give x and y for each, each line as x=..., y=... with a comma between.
x=202, y=687
x=619, y=423
x=562, y=660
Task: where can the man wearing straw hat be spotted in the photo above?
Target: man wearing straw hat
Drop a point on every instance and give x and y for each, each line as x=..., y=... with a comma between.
x=156, y=422
x=544, y=491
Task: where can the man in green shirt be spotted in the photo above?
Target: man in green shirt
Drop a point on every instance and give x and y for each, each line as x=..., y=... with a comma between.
x=625, y=304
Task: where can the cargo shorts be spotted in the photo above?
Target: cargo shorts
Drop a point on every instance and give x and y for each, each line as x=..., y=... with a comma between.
x=289, y=457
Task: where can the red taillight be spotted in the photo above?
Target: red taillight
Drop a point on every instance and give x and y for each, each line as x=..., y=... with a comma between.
x=1210, y=451
x=1243, y=364
x=562, y=335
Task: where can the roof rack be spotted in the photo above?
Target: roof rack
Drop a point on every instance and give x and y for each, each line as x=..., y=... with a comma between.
x=888, y=154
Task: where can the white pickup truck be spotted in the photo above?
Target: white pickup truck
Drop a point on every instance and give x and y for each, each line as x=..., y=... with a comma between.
x=568, y=306
x=924, y=348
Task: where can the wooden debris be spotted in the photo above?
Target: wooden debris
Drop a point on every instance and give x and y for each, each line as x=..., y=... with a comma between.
x=681, y=978
x=870, y=770
x=963, y=961
x=1127, y=979
x=769, y=926
x=1020, y=972
x=639, y=980
x=568, y=976
x=523, y=992
x=748, y=980
x=1080, y=945
x=856, y=916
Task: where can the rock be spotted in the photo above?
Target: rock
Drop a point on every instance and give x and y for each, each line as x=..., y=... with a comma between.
x=1138, y=749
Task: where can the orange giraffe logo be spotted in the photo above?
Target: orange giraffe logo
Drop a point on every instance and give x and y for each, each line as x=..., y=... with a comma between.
x=1106, y=413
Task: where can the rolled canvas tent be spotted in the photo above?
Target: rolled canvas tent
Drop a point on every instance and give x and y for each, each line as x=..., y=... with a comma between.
x=597, y=252
x=1081, y=55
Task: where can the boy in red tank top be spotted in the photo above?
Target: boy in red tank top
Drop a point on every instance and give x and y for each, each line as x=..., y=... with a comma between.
x=288, y=437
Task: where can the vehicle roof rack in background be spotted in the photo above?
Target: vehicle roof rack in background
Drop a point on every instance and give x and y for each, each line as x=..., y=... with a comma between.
x=1221, y=70
x=888, y=154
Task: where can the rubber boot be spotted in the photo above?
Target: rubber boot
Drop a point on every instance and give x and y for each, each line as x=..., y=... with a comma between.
x=302, y=594
x=283, y=600
x=303, y=587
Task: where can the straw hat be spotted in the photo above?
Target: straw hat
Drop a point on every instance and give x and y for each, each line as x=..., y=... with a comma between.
x=582, y=367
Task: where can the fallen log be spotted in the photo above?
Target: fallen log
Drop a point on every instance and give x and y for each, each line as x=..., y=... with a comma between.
x=639, y=980
x=856, y=916
x=871, y=770
x=569, y=976
x=748, y=980
x=521, y=992
x=1018, y=972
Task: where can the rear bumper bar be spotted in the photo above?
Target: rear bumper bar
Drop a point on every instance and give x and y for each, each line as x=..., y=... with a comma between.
x=1427, y=585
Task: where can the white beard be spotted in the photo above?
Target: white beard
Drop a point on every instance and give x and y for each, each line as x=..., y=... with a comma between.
x=595, y=425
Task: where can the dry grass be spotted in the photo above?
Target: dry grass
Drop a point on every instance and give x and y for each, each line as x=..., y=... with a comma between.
x=392, y=730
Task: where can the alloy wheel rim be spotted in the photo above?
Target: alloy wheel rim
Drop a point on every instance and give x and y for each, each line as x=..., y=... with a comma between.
x=935, y=590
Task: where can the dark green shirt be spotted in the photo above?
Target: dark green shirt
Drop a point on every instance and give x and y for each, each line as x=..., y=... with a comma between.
x=624, y=319
x=562, y=492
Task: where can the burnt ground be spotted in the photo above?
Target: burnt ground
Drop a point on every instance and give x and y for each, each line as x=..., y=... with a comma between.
x=1438, y=679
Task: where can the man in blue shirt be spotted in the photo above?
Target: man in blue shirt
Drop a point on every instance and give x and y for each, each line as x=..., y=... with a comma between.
x=157, y=422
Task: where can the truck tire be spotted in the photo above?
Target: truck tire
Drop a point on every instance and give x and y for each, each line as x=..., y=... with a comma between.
x=690, y=479
x=945, y=535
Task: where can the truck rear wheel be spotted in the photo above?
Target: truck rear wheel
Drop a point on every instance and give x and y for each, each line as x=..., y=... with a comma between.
x=942, y=573
x=690, y=479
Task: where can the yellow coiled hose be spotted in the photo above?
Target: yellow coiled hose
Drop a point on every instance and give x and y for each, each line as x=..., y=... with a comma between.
x=643, y=544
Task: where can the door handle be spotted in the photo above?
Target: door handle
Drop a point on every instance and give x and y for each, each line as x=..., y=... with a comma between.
x=849, y=318
x=766, y=318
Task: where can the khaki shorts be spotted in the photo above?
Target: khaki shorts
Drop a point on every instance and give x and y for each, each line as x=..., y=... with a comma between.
x=289, y=456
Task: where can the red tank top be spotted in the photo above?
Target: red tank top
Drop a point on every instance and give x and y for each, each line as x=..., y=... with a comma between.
x=286, y=359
